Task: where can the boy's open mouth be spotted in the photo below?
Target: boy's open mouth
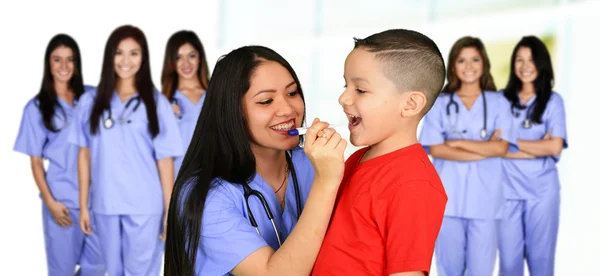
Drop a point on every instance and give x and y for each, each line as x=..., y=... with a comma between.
x=353, y=120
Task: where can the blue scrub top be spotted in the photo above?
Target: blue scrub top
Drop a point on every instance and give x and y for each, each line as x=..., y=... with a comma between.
x=34, y=139
x=187, y=124
x=536, y=178
x=227, y=237
x=124, y=172
x=474, y=188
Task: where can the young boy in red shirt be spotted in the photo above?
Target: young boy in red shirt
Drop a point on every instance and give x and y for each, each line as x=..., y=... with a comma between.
x=391, y=203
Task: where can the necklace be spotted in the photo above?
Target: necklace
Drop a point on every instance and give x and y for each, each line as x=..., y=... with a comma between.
x=284, y=178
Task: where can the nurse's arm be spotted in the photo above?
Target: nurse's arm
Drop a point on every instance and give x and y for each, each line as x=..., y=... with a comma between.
x=494, y=148
x=298, y=253
x=443, y=151
x=83, y=171
x=546, y=147
x=39, y=175
x=166, y=173
x=59, y=211
x=519, y=155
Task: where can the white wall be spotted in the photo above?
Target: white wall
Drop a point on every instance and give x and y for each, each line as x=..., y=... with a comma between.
x=315, y=37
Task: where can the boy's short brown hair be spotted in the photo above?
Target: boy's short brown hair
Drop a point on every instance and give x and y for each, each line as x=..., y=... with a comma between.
x=410, y=59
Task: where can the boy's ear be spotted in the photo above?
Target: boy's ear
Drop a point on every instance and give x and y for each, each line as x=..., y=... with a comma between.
x=414, y=104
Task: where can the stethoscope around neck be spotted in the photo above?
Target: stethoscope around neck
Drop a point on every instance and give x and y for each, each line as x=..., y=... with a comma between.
x=483, y=133
x=109, y=122
x=251, y=192
x=527, y=122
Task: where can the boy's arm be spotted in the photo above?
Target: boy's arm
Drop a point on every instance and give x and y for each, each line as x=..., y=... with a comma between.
x=412, y=216
x=412, y=273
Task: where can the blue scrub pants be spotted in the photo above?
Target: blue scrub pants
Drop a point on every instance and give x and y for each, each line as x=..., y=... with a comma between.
x=67, y=247
x=529, y=232
x=466, y=247
x=131, y=244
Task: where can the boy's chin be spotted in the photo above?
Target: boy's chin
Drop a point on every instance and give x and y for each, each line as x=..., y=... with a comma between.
x=357, y=141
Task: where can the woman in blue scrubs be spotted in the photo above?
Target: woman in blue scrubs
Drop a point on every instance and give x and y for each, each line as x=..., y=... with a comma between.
x=458, y=133
x=241, y=147
x=185, y=78
x=128, y=137
x=43, y=135
x=531, y=213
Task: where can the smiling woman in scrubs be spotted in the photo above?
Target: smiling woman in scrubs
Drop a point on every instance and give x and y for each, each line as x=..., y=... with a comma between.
x=184, y=82
x=241, y=140
x=127, y=136
x=530, y=226
x=457, y=134
x=43, y=135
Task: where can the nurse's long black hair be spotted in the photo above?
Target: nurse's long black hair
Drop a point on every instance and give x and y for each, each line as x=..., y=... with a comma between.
x=46, y=99
x=543, y=83
x=108, y=79
x=220, y=148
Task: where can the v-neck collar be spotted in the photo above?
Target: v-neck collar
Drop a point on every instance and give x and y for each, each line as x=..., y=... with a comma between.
x=64, y=104
x=116, y=100
x=529, y=102
x=185, y=98
x=464, y=107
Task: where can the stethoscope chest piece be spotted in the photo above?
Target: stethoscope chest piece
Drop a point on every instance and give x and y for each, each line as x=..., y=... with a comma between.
x=483, y=133
x=527, y=123
x=108, y=123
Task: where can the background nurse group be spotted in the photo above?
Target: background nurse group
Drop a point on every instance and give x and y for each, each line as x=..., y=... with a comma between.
x=494, y=151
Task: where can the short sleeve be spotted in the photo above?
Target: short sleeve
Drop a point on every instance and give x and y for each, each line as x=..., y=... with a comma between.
x=413, y=219
x=504, y=122
x=79, y=130
x=557, y=122
x=227, y=237
x=32, y=132
x=432, y=131
x=168, y=142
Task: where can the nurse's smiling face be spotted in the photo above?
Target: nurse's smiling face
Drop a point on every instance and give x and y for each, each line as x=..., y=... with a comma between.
x=61, y=64
x=128, y=58
x=273, y=106
x=469, y=65
x=525, y=66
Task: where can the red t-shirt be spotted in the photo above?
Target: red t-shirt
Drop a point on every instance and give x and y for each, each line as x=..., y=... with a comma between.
x=387, y=216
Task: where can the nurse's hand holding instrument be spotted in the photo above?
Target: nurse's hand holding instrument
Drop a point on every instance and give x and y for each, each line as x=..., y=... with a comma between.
x=324, y=147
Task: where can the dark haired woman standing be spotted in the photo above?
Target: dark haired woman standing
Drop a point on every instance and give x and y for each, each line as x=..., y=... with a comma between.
x=185, y=78
x=43, y=135
x=128, y=137
x=458, y=133
x=531, y=213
